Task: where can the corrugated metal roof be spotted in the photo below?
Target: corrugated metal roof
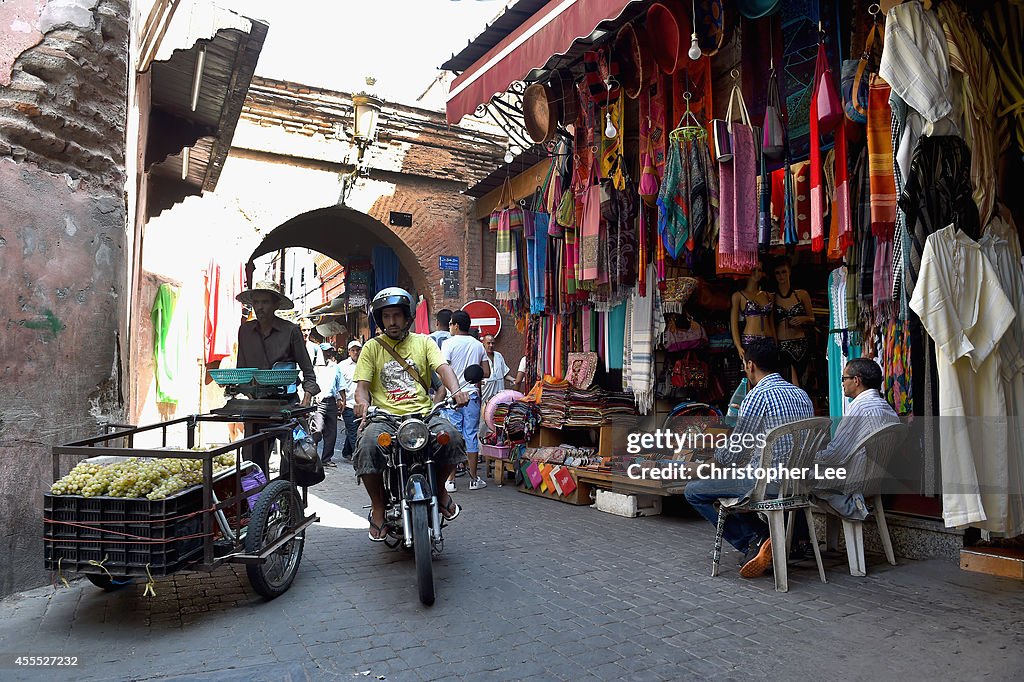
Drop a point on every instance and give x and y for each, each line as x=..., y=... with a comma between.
x=228, y=69
x=512, y=18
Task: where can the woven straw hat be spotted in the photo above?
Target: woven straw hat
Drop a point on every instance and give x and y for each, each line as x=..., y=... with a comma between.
x=283, y=302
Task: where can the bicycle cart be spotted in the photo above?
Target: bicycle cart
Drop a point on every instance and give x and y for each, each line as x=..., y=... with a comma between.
x=233, y=516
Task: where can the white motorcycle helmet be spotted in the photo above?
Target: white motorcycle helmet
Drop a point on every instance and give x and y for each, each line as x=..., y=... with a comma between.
x=392, y=296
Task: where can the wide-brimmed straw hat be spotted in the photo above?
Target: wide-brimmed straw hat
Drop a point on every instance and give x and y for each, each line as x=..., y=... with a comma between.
x=283, y=302
x=540, y=113
x=668, y=25
x=633, y=52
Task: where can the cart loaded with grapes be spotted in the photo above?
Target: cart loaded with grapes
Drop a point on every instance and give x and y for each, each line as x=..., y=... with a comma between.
x=125, y=513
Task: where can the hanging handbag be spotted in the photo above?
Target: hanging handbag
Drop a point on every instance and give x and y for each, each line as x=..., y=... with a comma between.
x=505, y=201
x=855, y=82
x=722, y=129
x=649, y=185
x=773, y=141
x=830, y=109
x=690, y=372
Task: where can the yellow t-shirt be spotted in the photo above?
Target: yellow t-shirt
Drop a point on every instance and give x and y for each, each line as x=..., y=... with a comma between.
x=391, y=386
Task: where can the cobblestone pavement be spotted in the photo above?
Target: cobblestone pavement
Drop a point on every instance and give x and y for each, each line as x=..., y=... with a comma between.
x=527, y=588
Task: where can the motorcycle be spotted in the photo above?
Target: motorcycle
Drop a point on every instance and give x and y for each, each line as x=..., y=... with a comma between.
x=412, y=514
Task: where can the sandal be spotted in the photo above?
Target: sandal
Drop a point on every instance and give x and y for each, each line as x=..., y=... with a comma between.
x=451, y=508
x=375, y=527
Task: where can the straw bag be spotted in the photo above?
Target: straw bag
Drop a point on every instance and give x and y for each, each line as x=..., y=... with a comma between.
x=506, y=200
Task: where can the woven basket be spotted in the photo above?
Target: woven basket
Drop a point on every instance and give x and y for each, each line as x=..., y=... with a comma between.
x=232, y=377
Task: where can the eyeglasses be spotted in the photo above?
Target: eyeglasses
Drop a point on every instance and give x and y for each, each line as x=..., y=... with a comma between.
x=847, y=378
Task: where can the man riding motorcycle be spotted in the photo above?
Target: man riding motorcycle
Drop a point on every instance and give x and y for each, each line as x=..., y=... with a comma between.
x=394, y=370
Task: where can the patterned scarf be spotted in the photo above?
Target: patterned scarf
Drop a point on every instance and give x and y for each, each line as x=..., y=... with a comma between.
x=505, y=259
x=698, y=193
x=646, y=325
x=880, y=159
x=673, y=224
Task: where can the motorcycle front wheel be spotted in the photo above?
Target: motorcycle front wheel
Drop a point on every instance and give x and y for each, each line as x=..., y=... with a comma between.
x=424, y=555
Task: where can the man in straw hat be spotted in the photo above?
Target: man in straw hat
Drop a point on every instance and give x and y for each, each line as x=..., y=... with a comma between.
x=270, y=339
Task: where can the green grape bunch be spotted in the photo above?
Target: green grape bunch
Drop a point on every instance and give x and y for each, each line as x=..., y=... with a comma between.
x=153, y=479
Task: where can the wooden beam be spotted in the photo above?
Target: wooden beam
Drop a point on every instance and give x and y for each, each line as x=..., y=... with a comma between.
x=523, y=185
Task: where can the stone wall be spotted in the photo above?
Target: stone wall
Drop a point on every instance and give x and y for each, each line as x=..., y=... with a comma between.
x=62, y=234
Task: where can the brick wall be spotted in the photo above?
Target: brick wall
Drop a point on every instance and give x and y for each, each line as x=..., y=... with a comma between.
x=62, y=240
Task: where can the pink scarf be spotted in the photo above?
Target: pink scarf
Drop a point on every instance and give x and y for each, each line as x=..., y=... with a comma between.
x=737, y=239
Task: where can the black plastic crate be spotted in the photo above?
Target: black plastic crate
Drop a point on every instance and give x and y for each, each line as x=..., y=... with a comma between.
x=72, y=547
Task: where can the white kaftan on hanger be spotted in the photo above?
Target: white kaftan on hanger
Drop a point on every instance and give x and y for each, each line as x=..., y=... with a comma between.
x=1000, y=253
x=964, y=309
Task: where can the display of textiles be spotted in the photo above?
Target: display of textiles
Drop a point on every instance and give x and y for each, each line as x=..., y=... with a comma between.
x=517, y=421
x=618, y=404
x=584, y=407
x=553, y=403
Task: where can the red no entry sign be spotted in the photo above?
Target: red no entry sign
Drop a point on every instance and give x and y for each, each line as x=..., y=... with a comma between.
x=484, y=315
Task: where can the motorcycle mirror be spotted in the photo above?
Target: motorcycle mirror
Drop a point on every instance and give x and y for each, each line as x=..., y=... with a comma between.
x=474, y=373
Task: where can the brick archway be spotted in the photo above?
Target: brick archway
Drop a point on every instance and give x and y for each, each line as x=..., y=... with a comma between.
x=345, y=235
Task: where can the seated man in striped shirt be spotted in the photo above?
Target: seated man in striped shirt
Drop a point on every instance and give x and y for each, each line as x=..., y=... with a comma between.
x=770, y=402
x=862, y=381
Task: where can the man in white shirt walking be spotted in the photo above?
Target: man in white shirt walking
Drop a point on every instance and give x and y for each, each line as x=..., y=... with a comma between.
x=348, y=370
x=325, y=418
x=495, y=383
x=460, y=351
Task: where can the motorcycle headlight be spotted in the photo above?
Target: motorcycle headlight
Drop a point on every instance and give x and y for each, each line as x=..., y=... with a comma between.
x=413, y=435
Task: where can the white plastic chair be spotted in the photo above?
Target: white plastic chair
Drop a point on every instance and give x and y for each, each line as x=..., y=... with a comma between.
x=880, y=445
x=808, y=437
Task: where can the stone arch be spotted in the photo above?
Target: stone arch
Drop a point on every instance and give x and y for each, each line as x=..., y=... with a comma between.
x=346, y=235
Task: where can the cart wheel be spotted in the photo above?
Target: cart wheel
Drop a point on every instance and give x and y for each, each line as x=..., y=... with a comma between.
x=105, y=582
x=424, y=554
x=278, y=511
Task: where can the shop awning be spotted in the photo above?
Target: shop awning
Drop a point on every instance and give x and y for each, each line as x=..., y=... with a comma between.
x=550, y=31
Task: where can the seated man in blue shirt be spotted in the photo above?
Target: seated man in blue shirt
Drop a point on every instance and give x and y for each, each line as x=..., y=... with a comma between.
x=770, y=402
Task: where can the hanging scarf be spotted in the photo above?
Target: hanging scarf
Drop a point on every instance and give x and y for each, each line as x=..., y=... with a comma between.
x=738, y=203
x=711, y=192
x=653, y=113
x=672, y=221
x=643, y=323
x=590, y=231
x=817, y=188
x=536, y=256
x=764, y=206
x=642, y=250
x=504, y=260
x=843, y=208
x=883, y=182
x=698, y=194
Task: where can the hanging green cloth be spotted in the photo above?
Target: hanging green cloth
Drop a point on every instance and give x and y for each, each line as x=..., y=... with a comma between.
x=616, y=335
x=169, y=343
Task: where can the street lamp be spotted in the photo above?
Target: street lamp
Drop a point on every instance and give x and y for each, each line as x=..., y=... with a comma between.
x=366, y=111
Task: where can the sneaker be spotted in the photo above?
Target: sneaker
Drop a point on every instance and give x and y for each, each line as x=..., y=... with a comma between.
x=760, y=561
x=478, y=484
x=330, y=463
x=450, y=486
